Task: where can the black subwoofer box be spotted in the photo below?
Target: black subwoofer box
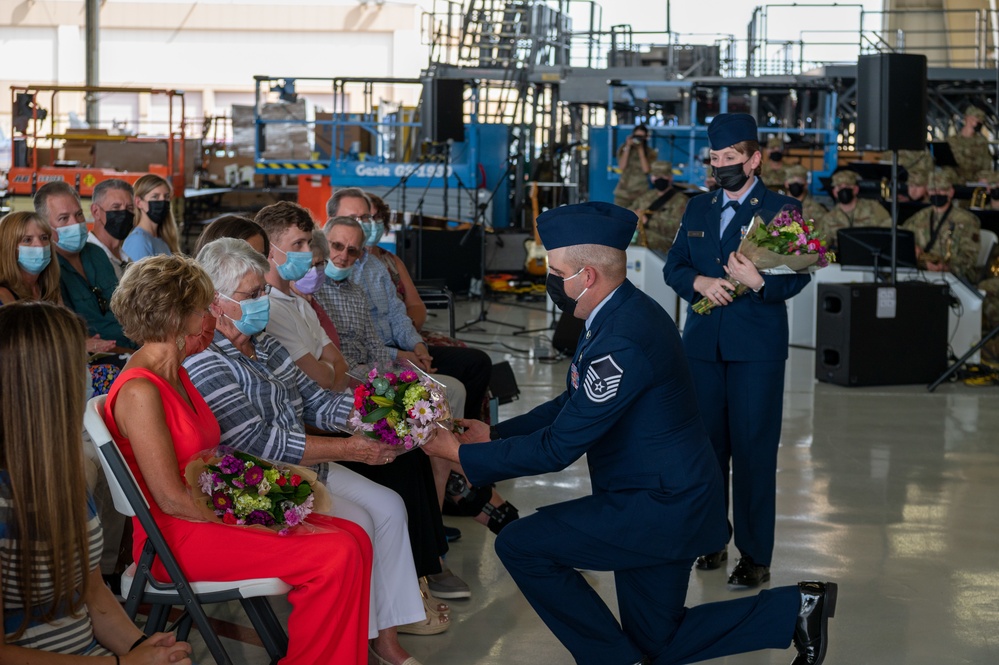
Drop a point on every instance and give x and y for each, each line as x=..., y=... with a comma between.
x=854, y=347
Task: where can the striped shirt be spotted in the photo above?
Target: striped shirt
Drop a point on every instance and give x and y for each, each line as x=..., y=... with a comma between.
x=347, y=305
x=388, y=311
x=66, y=634
x=262, y=405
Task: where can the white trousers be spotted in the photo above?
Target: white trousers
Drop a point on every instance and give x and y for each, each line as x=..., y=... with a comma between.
x=395, y=591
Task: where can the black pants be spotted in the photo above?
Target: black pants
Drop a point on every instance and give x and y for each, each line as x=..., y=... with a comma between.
x=470, y=366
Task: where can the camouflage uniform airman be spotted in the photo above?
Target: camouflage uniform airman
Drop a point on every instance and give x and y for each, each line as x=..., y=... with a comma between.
x=990, y=181
x=865, y=213
x=633, y=181
x=661, y=225
x=810, y=208
x=958, y=235
x=917, y=179
x=990, y=319
x=971, y=152
x=772, y=173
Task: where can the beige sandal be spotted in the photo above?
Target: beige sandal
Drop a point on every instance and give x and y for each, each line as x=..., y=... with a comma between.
x=381, y=661
x=435, y=623
x=428, y=599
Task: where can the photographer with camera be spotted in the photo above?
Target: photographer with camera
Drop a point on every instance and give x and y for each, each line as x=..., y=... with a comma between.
x=634, y=159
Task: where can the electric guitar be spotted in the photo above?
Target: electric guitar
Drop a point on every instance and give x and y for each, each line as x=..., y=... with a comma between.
x=536, y=263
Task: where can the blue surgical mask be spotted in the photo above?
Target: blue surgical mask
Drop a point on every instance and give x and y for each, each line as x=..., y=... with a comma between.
x=373, y=232
x=295, y=265
x=33, y=259
x=336, y=273
x=255, y=314
x=72, y=238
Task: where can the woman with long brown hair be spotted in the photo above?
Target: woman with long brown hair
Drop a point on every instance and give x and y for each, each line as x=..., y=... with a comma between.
x=155, y=229
x=53, y=597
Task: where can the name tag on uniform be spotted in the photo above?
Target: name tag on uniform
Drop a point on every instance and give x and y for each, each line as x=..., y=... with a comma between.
x=695, y=234
x=574, y=376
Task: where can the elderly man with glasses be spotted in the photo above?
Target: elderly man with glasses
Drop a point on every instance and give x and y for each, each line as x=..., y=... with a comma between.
x=86, y=278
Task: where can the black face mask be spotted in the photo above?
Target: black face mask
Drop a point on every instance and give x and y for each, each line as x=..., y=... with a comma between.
x=776, y=156
x=994, y=194
x=731, y=178
x=119, y=223
x=555, y=286
x=796, y=189
x=977, y=127
x=939, y=200
x=662, y=184
x=158, y=211
x=845, y=196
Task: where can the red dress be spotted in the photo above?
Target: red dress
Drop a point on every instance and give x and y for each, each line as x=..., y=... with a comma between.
x=330, y=572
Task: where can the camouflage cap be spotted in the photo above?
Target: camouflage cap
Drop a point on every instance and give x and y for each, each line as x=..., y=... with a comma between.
x=661, y=167
x=844, y=178
x=975, y=112
x=775, y=143
x=940, y=179
x=918, y=178
x=796, y=172
x=989, y=177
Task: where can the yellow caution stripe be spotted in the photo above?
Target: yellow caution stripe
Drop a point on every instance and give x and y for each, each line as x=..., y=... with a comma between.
x=300, y=166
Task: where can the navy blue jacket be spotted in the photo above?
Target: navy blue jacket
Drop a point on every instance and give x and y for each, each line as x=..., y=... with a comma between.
x=632, y=410
x=754, y=326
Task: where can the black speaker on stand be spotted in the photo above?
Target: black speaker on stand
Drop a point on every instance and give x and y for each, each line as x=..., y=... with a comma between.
x=442, y=114
x=891, y=113
x=891, y=102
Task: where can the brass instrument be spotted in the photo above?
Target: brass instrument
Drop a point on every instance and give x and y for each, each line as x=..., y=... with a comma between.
x=643, y=240
x=980, y=198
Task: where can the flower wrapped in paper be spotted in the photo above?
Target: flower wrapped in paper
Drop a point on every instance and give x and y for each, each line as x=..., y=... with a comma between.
x=400, y=407
x=244, y=490
x=788, y=244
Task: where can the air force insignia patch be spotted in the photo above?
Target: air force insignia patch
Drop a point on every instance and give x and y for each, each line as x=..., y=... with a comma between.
x=603, y=377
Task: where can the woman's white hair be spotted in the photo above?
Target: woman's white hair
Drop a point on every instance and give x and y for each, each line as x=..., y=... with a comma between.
x=320, y=244
x=228, y=260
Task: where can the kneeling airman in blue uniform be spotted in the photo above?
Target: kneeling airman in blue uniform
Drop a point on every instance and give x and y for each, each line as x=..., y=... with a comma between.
x=657, y=500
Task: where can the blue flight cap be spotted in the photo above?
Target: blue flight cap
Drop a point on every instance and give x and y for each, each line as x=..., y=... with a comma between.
x=728, y=129
x=592, y=223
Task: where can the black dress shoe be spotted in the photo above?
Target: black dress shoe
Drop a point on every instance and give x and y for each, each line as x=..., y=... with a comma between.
x=748, y=574
x=811, y=632
x=711, y=561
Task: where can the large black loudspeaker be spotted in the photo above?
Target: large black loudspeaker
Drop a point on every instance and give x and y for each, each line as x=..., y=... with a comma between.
x=452, y=256
x=443, y=110
x=854, y=347
x=891, y=102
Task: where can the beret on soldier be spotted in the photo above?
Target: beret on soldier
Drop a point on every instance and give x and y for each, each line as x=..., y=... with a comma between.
x=976, y=112
x=795, y=172
x=661, y=167
x=728, y=129
x=592, y=223
x=844, y=178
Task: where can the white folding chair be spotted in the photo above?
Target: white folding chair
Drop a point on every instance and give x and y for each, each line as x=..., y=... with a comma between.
x=138, y=585
x=987, y=240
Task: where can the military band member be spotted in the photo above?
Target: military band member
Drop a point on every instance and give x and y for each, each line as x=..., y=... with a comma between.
x=970, y=148
x=947, y=237
x=772, y=171
x=796, y=186
x=659, y=210
x=850, y=210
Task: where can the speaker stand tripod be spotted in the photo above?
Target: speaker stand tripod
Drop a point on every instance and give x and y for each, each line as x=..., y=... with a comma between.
x=963, y=359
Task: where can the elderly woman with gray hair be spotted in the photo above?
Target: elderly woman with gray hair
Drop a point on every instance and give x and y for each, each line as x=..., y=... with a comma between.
x=263, y=402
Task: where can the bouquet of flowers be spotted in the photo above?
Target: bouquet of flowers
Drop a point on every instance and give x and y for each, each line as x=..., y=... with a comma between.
x=400, y=407
x=245, y=490
x=788, y=244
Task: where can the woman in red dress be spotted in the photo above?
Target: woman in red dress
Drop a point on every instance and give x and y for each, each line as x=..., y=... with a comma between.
x=160, y=421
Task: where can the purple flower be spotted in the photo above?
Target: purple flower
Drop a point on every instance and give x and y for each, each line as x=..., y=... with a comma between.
x=260, y=517
x=253, y=475
x=408, y=376
x=229, y=464
x=291, y=517
x=221, y=501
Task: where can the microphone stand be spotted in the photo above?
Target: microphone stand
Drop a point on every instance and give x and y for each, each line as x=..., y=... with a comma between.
x=401, y=245
x=418, y=214
x=480, y=222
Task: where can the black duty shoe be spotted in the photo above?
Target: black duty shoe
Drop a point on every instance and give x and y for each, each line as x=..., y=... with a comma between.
x=811, y=632
x=711, y=561
x=748, y=574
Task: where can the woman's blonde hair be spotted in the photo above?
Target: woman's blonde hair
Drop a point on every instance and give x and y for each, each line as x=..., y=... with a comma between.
x=12, y=229
x=168, y=231
x=43, y=367
x=156, y=294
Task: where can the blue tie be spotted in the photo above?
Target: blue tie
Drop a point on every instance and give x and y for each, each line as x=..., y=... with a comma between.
x=726, y=218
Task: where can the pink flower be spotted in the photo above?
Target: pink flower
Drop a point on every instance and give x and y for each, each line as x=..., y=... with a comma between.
x=392, y=378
